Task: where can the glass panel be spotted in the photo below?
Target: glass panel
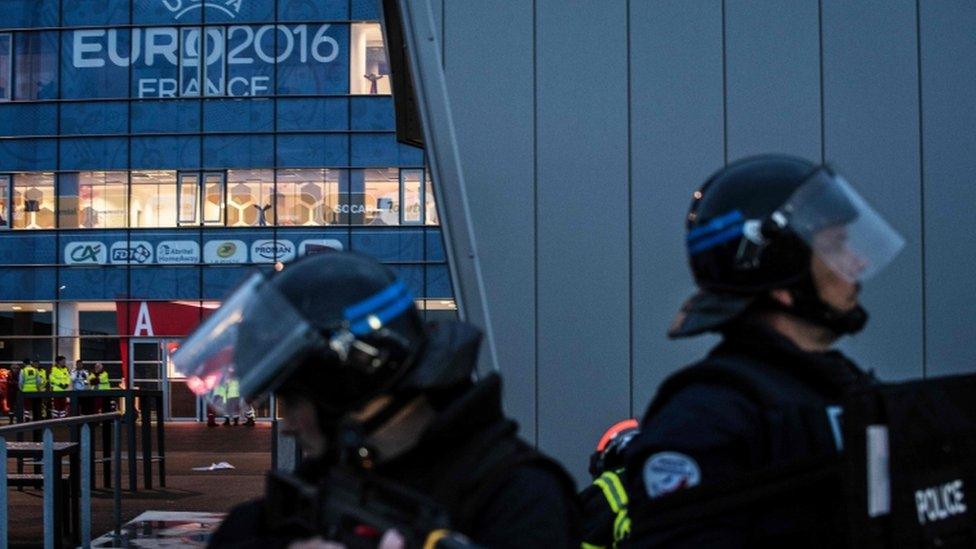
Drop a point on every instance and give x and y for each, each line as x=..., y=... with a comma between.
x=26, y=319
x=5, y=74
x=214, y=66
x=154, y=72
x=308, y=197
x=33, y=202
x=145, y=351
x=92, y=200
x=412, y=196
x=381, y=197
x=35, y=64
x=154, y=199
x=188, y=197
x=4, y=202
x=101, y=349
x=213, y=198
x=369, y=71
x=247, y=73
x=190, y=62
x=249, y=198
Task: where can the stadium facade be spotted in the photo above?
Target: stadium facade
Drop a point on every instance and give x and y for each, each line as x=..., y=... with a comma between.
x=154, y=151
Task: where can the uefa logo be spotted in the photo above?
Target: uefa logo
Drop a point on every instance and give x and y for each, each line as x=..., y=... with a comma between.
x=181, y=7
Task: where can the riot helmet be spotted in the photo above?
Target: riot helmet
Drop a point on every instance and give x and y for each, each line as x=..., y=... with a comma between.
x=339, y=325
x=755, y=225
x=609, y=453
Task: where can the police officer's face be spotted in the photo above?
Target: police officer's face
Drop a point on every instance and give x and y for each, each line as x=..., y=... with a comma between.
x=300, y=420
x=835, y=269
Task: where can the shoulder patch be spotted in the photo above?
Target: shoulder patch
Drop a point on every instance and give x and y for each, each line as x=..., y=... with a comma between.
x=666, y=472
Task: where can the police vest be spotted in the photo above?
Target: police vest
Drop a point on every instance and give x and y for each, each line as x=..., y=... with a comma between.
x=800, y=428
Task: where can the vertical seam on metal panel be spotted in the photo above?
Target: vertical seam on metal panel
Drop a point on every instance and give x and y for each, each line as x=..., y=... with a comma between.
x=444, y=35
x=823, y=132
x=725, y=94
x=921, y=184
x=535, y=213
x=630, y=228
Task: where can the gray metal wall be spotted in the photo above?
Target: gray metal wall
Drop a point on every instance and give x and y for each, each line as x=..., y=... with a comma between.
x=584, y=126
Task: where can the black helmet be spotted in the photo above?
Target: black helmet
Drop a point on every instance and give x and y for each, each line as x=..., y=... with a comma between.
x=753, y=226
x=340, y=325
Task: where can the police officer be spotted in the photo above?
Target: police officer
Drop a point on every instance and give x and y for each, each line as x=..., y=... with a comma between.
x=778, y=247
x=365, y=385
x=60, y=381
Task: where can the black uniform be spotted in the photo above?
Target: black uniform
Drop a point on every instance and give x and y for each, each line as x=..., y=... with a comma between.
x=498, y=490
x=756, y=403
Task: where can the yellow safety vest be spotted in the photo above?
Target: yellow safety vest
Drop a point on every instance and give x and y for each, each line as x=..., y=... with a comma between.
x=233, y=389
x=60, y=378
x=31, y=379
x=99, y=381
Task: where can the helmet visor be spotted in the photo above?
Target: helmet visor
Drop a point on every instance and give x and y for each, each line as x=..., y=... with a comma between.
x=247, y=344
x=840, y=226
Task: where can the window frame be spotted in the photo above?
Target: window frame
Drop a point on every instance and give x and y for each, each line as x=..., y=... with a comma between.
x=10, y=67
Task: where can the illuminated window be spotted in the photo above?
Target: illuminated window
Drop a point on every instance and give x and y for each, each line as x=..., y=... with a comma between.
x=6, y=45
x=381, y=197
x=33, y=202
x=153, y=202
x=249, y=198
x=92, y=200
x=430, y=208
x=412, y=202
x=309, y=197
x=201, y=200
x=369, y=71
x=4, y=202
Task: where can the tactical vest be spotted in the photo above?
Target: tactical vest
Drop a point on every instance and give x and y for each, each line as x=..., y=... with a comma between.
x=800, y=433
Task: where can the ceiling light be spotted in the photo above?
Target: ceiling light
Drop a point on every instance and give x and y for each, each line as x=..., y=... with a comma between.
x=17, y=308
x=41, y=310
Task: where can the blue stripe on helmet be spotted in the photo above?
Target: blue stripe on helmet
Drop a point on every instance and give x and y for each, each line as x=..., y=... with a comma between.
x=392, y=311
x=370, y=304
x=719, y=223
x=710, y=242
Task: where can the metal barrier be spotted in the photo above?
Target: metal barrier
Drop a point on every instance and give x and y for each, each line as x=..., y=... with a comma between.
x=52, y=474
x=148, y=400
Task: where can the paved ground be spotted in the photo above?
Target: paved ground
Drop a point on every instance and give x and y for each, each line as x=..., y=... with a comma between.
x=188, y=445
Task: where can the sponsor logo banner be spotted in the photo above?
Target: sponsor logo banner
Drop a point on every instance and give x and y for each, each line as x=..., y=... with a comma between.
x=225, y=251
x=177, y=251
x=137, y=251
x=270, y=251
x=315, y=246
x=85, y=253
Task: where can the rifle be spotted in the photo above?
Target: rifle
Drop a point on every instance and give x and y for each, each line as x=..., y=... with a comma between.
x=356, y=510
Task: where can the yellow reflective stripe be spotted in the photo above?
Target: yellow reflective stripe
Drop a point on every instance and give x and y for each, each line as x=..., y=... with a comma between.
x=609, y=494
x=618, y=486
x=585, y=545
x=621, y=526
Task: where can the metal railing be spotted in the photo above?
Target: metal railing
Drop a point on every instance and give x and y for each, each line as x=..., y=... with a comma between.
x=52, y=473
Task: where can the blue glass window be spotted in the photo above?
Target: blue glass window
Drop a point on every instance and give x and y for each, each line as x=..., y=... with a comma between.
x=6, y=66
x=172, y=11
x=29, y=13
x=166, y=152
x=313, y=150
x=313, y=59
x=94, y=118
x=372, y=113
x=238, y=151
x=95, y=12
x=154, y=69
x=312, y=10
x=95, y=63
x=250, y=68
x=365, y=10
x=28, y=119
x=165, y=116
x=35, y=65
x=101, y=153
x=28, y=154
x=318, y=114
x=239, y=115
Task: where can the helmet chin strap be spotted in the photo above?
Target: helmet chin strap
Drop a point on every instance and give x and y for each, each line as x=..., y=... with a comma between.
x=808, y=305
